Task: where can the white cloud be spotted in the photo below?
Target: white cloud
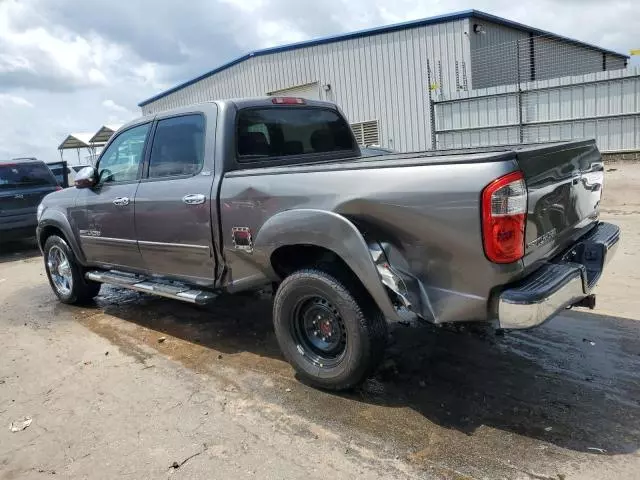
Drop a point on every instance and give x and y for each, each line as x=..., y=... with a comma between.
x=272, y=34
x=39, y=56
x=113, y=106
x=11, y=63
x=148, y=74
x=96, y=77
x=7, y=99
x=246, y=6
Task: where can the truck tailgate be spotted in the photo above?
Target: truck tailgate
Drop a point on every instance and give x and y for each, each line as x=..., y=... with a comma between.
x=564, y=183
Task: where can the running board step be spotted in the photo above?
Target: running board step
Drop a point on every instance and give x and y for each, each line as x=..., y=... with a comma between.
x=142, y=284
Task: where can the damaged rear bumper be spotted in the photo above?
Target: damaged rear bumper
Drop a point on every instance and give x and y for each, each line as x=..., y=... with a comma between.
x=560, y=284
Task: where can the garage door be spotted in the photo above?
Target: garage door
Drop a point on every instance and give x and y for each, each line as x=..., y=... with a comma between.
x=310, y=91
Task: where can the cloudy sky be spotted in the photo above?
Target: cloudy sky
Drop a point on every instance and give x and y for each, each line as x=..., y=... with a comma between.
x=73, y=65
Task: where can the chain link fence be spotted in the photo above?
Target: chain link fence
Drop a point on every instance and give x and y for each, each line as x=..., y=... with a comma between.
x=532, y=58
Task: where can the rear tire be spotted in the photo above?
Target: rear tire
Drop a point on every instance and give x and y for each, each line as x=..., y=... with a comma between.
x=333, y=336
x=65, y=274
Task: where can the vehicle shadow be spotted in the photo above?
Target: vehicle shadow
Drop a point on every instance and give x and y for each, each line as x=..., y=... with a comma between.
x=18, y=250
x=574, y=382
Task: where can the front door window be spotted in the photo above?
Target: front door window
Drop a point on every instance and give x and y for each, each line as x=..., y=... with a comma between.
x=123, y=158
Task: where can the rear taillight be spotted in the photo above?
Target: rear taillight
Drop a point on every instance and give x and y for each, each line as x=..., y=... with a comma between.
x=504, y=211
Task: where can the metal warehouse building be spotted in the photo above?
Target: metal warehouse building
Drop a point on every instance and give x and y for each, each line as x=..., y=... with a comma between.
x=385, y=78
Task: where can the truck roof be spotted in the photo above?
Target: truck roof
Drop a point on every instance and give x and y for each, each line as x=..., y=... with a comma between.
x=19, y=160
x=264, y=101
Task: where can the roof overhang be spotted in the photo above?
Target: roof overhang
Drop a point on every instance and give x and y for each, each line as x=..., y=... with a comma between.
x=103, y=135
x=78, y=140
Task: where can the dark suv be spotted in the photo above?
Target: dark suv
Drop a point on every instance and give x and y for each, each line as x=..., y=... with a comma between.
x=23, y=184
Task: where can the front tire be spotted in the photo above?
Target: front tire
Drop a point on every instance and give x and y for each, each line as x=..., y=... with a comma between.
x=65, y=274
x=333, y=336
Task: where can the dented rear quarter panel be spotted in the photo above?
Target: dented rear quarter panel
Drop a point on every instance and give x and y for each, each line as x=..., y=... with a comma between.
x=428, y=208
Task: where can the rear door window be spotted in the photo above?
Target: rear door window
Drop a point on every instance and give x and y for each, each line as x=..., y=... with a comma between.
x=264, y=133
x=21, y=175
x=178, y=147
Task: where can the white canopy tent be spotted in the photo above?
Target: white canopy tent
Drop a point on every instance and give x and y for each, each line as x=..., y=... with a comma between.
x=103, y=135
x=79, y=141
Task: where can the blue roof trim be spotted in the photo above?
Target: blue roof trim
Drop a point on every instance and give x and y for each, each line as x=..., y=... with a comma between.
x=376, y=31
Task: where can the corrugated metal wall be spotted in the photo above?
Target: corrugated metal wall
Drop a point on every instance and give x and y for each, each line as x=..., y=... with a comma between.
x=555, y=59
x=603, y=105
x=615, y=63
x=496, y=46
x=381, y=77
x=504, y=56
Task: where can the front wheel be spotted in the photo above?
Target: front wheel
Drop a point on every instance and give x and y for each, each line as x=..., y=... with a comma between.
x=65, y=274
x=333, y=337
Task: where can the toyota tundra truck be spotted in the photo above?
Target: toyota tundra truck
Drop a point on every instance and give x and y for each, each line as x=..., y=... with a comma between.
x=235, y=195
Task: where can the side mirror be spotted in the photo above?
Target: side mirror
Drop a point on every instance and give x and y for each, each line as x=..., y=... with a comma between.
x=86, y=178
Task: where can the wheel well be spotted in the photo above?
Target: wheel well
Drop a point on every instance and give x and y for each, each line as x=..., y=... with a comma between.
x=291, y=258
x=47, y=232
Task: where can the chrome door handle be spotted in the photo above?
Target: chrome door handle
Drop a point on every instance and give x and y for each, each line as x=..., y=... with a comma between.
x=194, y=199
x=121, y=201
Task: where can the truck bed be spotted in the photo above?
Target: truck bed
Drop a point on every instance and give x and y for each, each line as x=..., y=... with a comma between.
x=428, y=206
x=425, y=157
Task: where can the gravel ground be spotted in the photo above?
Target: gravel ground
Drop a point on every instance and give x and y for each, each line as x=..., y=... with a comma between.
x=144, y=387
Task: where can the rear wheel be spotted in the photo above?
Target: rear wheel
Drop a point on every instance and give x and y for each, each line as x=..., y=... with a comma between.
x=332, y=335
x=65, y=274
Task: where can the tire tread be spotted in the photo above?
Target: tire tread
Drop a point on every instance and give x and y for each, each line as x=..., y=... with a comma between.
x=371, y=323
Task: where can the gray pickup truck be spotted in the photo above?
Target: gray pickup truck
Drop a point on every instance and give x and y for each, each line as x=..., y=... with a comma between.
x=235, y=195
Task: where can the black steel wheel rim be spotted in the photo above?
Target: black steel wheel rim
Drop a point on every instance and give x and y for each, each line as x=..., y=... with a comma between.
x=319, y=330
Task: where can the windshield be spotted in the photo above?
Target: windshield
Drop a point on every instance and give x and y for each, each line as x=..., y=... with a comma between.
x=16, y=175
